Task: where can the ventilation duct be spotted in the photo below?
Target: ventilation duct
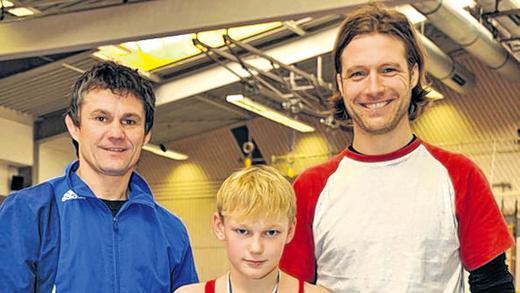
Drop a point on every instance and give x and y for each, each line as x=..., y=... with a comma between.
x=460, y=26
x=509, y=21
x=442, y=67
x=504, y=16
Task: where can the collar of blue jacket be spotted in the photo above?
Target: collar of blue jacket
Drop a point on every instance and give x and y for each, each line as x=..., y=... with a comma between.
x=139, y=190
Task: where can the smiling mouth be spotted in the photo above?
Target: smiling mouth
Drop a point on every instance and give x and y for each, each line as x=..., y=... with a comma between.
x=117, y=150
x=373, y=106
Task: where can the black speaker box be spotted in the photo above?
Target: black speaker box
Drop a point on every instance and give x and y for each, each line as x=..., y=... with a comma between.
x=16, y=182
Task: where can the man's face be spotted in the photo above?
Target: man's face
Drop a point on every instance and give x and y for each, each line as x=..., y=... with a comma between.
x=111, y=132
x=254, y=246
x=376, y=83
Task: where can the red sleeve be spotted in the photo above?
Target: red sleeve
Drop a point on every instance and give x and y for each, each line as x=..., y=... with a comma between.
x=483, y=232
x=298, y=258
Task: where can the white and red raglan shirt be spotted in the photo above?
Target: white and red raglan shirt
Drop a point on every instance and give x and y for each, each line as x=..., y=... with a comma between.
x=408, y=221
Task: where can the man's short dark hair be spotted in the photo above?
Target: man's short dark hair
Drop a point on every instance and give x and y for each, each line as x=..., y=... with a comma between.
x=120, y=80
x=376, y=18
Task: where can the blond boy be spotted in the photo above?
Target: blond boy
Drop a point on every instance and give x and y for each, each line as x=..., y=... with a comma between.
x=255, y=218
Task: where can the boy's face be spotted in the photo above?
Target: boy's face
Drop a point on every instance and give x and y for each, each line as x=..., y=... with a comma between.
x=254, y=246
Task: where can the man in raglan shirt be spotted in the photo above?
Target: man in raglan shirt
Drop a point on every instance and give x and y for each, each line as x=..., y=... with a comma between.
x=392, y=213
x=97, y=228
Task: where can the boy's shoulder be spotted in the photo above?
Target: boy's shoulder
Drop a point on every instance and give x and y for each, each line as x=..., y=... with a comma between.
x=292, y=283
x=192, y=288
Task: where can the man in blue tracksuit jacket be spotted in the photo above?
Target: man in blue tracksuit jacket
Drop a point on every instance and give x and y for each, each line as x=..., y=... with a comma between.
x=97, y=228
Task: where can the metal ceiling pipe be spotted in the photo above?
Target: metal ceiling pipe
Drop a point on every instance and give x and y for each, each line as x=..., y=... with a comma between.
x=443, y=68
x=461, y=27
x=503, y=5
x=502, y=16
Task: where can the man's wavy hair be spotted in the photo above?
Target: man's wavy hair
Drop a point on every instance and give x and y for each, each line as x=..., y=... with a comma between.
x=376, y=18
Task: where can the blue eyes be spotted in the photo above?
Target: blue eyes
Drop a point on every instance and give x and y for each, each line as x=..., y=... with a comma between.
x=272, y=233
x=269, y=233
x=124, y=121
x=388, y=70
x=384, y=70
x=357, y=74
x=129, y=122
x=242, y=232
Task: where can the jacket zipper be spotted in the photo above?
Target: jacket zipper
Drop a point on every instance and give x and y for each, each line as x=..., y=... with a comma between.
x=115, y=247
x=115, y=242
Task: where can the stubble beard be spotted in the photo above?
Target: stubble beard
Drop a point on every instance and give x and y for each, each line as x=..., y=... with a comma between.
x=97, y=166
x=387, y=127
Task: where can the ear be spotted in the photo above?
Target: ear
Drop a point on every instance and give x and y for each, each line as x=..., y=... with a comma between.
x=414, y=78
x=218, y=227
x=339, y=81
x=71, y=127
x=147, y=137
x=290, y=233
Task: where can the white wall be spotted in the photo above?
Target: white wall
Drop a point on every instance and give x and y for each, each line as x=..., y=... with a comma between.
x=53, y=156
x=17, y=142
x=4, y=188
x=6, y=172
x=16, y=149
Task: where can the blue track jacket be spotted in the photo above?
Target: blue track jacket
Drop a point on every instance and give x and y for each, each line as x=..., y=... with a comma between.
x=59, y=236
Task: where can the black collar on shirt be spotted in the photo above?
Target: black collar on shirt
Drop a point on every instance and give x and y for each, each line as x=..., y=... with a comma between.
x=114, y=205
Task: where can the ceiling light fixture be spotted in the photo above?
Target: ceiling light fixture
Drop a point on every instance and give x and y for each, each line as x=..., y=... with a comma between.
x=266, y=112
x=21, y=11
x=161, y=150
x=6, y=3
x=434, y=95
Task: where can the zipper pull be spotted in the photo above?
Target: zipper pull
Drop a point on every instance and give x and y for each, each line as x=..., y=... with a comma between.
x=114, y=221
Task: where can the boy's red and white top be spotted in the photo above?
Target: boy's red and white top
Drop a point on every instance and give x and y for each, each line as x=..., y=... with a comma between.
x=407, y=221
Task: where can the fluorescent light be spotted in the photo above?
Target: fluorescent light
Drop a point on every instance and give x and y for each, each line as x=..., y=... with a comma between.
x=411, y=13
x=7, y=3
x=21, y=11
x=250, y=105
x=434, y=95
x=168, y=153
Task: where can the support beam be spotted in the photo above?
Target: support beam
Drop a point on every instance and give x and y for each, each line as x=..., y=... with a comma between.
x=148, y=19
x=49, y=125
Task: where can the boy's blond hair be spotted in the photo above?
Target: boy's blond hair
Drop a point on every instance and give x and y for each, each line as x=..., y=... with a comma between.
x=257, y=191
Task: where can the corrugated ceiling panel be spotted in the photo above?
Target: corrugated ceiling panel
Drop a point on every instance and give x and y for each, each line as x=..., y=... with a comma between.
x=275, y=141
x=44, y=89
x=191, y=116
x=490, y=111
x=215, y=153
